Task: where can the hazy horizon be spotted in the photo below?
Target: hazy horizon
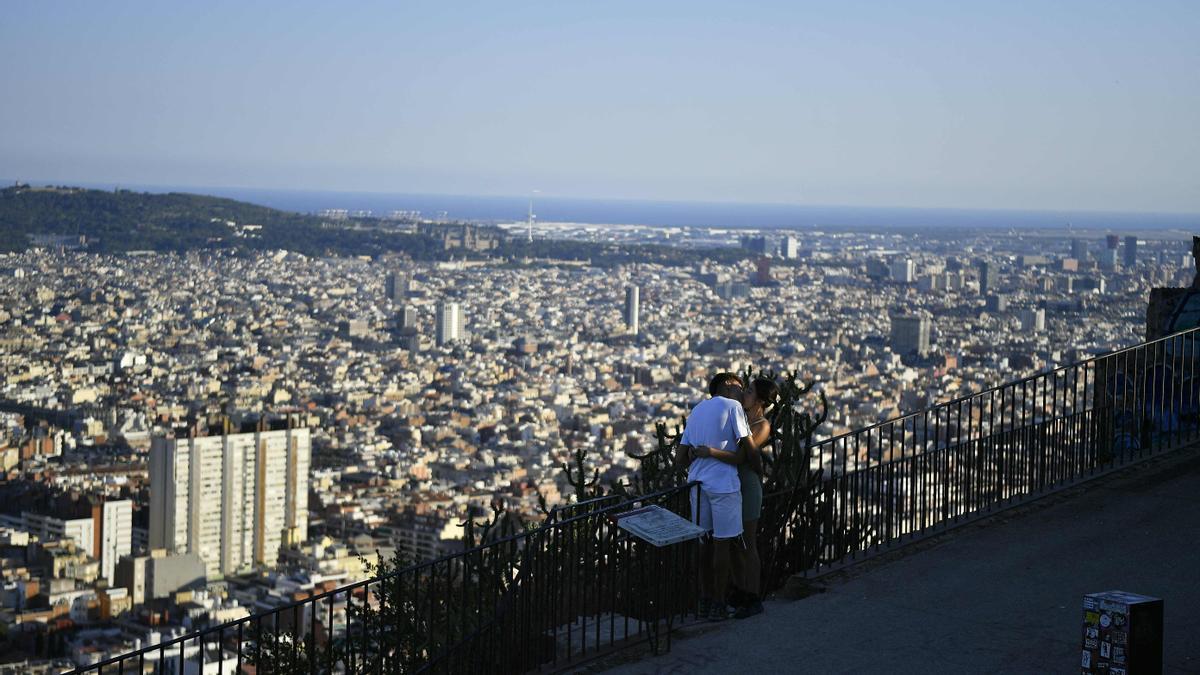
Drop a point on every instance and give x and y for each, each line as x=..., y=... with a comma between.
x=670, y=213
x=1076, y=106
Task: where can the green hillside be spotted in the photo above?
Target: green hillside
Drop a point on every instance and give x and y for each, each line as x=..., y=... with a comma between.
x=125, y=220
x=129, y=221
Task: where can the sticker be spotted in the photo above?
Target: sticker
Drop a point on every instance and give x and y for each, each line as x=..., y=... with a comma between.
x=1087, y=659
x=1117, y=670
x=1091, y=618
x=1119, y=619
x=1105, y=620
x=1113, y=607
x=1094, y=632
x=1105, y=650
x=1119, y=637
x=1091, y=643
x=1118, y=654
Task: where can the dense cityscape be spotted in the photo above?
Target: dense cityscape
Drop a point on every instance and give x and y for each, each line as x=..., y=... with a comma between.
x=190, y=438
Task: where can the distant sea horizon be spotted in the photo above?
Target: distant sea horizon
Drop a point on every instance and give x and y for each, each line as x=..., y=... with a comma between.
x=764, y=216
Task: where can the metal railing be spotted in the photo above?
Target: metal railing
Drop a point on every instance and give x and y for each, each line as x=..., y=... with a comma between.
x=920, y=473
x=537, y=598
x=549, y=596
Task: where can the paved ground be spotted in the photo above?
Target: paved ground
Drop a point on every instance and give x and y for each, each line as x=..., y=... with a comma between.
x=999, y=597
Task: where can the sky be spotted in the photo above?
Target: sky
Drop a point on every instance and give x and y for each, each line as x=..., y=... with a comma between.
x=1049, y=105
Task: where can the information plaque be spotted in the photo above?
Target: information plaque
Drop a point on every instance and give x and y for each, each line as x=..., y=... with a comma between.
x=658, y=526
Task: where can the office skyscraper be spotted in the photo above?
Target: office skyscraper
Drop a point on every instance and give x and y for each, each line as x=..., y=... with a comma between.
x=632, y=302
x=406, y=320
x=407, y=335
x=450, y=323
x=987, y=278
x=233, y=499
x=910, y=335
x=1131, y=252
x=1079, y=249
x=903, y=271
x=1033, y=320
x=395, y=286
x=789, y=248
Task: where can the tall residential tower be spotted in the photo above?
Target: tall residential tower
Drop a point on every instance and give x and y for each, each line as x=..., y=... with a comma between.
x=233, y=499
x=910, y=334
x=450, y=322
x=632, y=308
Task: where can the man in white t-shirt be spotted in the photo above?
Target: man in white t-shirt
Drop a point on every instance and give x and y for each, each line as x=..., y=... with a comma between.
x=718, y=423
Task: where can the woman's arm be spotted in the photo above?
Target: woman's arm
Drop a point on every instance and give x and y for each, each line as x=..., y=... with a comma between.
x=760, y=434
x=683, y=456
x=749, y=449
x=726, y=456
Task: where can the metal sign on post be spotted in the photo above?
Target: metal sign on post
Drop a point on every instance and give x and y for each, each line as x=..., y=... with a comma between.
x=658, y=526
x=1122, y=633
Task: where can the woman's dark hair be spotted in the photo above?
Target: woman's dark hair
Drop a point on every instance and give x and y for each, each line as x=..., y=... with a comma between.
x=767, y=391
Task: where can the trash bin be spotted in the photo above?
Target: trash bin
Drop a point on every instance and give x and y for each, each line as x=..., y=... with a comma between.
x=1122, y=633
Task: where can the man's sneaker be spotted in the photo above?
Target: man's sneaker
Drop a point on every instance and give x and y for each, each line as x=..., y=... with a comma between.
x=749, y=610
x=705, y=608
x=719, y=612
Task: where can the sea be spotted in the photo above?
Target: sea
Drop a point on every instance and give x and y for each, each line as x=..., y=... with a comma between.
x=501, y=209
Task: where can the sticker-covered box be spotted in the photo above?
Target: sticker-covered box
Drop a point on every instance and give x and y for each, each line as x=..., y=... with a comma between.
x=1122, y=633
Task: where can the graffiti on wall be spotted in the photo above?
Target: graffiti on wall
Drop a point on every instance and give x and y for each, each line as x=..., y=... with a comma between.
x=1147, y=400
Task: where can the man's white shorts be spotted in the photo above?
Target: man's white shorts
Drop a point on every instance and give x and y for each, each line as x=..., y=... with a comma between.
x=720, y=514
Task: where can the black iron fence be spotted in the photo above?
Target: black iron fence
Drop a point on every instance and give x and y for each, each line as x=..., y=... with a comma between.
x=542, y=597
x=551, y=595
x=920, y=473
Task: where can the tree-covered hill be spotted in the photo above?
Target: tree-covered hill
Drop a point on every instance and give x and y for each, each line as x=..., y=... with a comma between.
x=124, y=220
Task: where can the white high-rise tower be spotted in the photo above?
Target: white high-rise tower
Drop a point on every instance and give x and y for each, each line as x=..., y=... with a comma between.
x=632, y=308
x=116, y=535
x=450, y=322
x=233, y=499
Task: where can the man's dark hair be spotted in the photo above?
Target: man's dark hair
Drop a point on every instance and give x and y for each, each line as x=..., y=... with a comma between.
x=719, y=380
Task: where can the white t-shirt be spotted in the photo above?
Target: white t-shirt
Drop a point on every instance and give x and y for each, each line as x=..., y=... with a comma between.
x=718, y=423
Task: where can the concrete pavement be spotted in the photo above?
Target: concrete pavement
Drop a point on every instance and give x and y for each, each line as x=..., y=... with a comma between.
x=1000, y=596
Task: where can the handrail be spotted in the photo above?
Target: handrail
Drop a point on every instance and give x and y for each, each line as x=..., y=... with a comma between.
x=1005, y=385
x=350, y=588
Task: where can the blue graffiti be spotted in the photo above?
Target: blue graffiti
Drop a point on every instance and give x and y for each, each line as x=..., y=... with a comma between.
x=1160, y=401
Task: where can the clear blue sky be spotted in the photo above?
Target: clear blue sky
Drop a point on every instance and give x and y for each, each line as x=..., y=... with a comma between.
x=1073, y=105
